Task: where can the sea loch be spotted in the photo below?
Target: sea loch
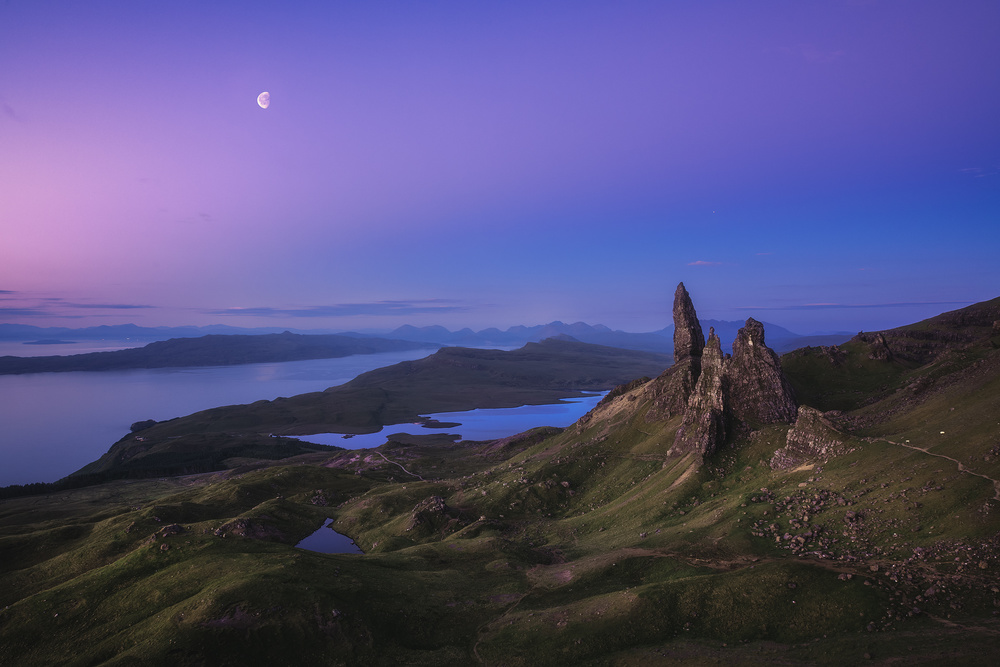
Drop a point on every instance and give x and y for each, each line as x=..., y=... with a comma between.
x=52, y=424
x=55, y=423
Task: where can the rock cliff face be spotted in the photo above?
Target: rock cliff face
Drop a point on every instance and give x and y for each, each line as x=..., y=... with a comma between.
x=703, y=427
x=689, y=341
x=717, y=394
x=672, y=389
x=812, y=439
x=759, y=393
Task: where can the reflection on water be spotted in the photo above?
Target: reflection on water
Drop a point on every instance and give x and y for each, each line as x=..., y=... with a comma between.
x=328, y=541
x=52, y=424
x=480, y=424
x=17, y=348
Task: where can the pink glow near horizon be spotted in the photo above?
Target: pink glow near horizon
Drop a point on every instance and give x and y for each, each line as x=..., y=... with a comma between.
x=521, y=163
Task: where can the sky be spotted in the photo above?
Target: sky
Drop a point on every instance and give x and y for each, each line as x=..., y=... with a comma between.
x=825, y=166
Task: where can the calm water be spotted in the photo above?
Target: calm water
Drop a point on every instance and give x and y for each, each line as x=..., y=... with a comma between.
x=17, y=348
x=328, y=541
x=480, y=424
x=52, y=424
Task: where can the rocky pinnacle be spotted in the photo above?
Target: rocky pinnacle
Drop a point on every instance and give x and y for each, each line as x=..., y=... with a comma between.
x=759, y=393
x=689, y=341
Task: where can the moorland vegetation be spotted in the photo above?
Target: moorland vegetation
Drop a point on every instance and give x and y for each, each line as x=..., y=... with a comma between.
x=837, y=506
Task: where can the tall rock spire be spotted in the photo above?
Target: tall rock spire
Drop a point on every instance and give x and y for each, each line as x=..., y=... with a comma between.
x=703, y=427
x=759, y=392
x=732, y=394
x=689, y=341
x=718, y=396
x=674, y=386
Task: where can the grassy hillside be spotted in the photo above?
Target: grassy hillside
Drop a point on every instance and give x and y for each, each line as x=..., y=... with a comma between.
x=588, y=545
x=451, y=379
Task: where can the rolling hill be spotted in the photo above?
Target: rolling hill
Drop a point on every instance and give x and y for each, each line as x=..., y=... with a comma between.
x=839, y=506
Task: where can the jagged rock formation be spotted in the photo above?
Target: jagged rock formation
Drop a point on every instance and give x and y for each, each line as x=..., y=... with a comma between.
x=676, y=384
x=703, y=427
x=719, y=394
x=689, y=341
x=716, y=396
x=879, y=347
x=813, y=438
x=759, y=393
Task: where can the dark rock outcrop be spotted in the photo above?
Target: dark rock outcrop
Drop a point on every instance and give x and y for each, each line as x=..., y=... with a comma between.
x=812, y=439
x=250, y=528
x=878, y=347
x=729, y=394
x=432, y=515
x=428, y=511
x=715, y=395
x=671, y=391
x=689, y=341
x=925, y=341
x=703, y=427
x=623, y=389
x=143, y=425
x=759, y=393
x=172, y=529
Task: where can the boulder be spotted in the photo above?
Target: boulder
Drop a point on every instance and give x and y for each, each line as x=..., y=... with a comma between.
x=812, y=439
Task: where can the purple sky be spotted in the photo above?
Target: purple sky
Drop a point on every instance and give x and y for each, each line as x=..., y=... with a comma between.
x=820, y=165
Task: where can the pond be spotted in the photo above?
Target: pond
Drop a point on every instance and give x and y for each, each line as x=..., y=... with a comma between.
x=328, y=541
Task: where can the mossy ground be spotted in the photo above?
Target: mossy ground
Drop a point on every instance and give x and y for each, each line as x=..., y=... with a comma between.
x=588, y=546
x=585, y=547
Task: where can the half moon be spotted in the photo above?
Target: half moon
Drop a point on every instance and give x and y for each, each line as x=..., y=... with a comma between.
x=264, y=99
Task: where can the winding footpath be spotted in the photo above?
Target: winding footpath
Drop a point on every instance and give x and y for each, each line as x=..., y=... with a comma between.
x=401, y=466
x=961, y=468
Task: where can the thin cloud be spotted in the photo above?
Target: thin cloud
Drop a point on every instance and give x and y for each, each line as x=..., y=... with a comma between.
x=40, y=313
x=702, y=262
x=376, y=308
x=105, y=306
x=856, y=306
x=979, y=172
x=55, y=307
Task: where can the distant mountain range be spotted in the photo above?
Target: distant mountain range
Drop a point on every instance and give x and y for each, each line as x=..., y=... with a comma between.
x=778, y=338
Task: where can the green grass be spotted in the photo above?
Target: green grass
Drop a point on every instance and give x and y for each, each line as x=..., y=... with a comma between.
x=588, y=545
